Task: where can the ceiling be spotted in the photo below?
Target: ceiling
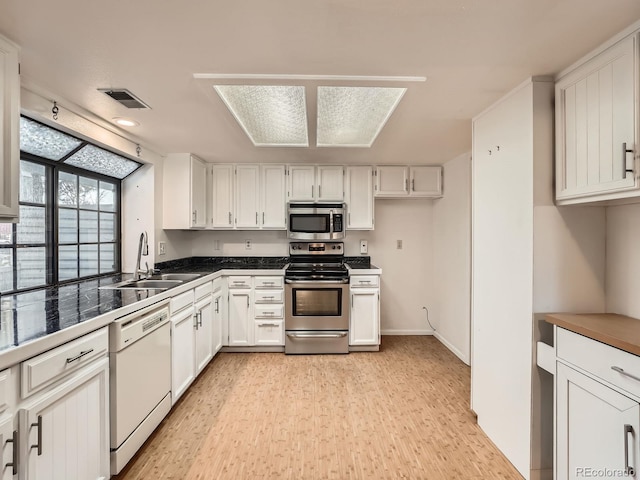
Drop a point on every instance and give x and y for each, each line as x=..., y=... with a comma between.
x=471, y=51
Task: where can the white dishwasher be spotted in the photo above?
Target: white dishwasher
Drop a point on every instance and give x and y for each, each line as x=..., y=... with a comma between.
x=140, y=379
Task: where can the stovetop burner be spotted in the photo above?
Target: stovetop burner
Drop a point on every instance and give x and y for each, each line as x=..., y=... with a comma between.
x=316, y=260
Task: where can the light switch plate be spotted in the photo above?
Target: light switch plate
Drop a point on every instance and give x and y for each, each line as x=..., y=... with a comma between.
x=162, y=248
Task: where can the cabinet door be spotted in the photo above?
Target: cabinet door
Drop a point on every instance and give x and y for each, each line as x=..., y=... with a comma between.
x=204, y=333
x=330, y=180
x=247, y=196
x=301, y=183
x=274, y=197
x=216, y=329
x=70, y=425
x=8, y=446
x=595, y=118
x=359, y=198
x=198, y=193
x=425, y=181
x=392, y=181
x=9, y=131
x=240, y=318
x=269, y=333
x=221, y=196
x=365, y=317
x=595, y=426
x=183, y=368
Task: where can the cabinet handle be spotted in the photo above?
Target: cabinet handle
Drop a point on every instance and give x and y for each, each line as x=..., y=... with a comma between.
x=625, y=150
x=628, y=469
x=263, y=218
x=413, y=184
x=247, y=301
x=38, y=445
x=230, y=218
x=364, y=281
x=349, y=217
x=195, y=321
x=268, y=298
x=269, y=313
x=311, y=191
x=199, y=319
x=622, y=372
x=14, y=456
x=268, y=283
x=319, y=191
x=268, y=325
x=217, y=305
x=406, y=184
x=256, y=218
x=79, y=356
x=194, y=216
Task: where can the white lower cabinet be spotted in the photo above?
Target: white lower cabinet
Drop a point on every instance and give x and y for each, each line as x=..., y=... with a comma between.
x=219, y=317
x=364, y=324
x=240, y=316
x=597, y=428
x=192, y=336
x=65, y=430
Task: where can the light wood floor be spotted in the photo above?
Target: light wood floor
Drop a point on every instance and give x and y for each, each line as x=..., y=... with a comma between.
x=402, y=412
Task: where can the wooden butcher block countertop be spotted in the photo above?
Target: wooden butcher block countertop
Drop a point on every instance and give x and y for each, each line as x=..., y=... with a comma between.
x=615, y=330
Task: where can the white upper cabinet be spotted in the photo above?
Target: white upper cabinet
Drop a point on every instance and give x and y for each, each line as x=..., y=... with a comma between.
x=9, y=131
x=247, y=196
x=184, y=173
x=310, y=183
x=359, y=197
x=596, y=131
x=221, y=196
x=273, y=193
x=396, y=181
x=330, y=183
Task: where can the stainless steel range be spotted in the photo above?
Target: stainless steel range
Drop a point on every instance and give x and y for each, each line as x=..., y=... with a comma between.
x=316, y=299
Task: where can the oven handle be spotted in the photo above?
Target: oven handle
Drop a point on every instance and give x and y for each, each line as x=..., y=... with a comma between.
x=293, y=282
x=317, y=335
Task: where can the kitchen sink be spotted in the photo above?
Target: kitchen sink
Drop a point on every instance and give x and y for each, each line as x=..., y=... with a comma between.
x=185, y=277
x=161, y=284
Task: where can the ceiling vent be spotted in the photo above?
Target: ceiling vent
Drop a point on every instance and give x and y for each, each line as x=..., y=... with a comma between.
x=125, y=97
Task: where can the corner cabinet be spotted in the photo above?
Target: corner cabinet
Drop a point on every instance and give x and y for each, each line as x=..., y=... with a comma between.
x=596, y=129
x=394, y=181
x=184, y=173
x=9, y=131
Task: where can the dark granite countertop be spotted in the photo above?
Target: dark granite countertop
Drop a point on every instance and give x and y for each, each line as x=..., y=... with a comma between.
x=32, y=315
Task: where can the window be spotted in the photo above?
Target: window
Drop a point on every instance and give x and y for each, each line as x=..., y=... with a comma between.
x=69, y=225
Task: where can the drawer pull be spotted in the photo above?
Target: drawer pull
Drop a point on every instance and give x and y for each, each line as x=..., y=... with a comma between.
x=79, y=356
x=268, y=283
x=268, y=325
x=14, y=457
x=38, y=445
x=628, y=469
x=364, y=281
x=269, y=298
x=622, y=372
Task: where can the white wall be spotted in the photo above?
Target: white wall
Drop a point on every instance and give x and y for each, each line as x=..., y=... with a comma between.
x=451, y=312
x=623, y=260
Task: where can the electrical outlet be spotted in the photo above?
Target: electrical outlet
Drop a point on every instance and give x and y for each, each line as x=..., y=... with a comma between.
x=363, y=246
x=162, y=248
x=247, y=244
x=399, y=244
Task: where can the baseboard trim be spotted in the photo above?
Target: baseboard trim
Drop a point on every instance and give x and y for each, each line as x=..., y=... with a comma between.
x=453, y=349
x=406, y=332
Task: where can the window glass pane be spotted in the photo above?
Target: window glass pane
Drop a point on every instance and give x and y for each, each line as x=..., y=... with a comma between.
x=88, y=226
x=33, y=182
x=67, y=189
x=98, y=160
x=67, y=262
x=32, y=226
x=6, y=269
x=32, y=267
x=6, y=233
x=44, y=141
x=88, y=260
x=88, y=193
x=67, y=225
x=107, y=227
x=107, y=197
x=107, y=258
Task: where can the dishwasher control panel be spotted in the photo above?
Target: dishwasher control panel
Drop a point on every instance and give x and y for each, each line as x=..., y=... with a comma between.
x=128, y=329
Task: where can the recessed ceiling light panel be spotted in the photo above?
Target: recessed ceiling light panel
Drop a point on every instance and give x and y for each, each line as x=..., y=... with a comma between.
x=270, y=115
x=354, y=116
x=125, y=122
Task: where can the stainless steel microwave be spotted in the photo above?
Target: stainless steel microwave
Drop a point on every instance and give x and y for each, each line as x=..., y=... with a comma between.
x=316, y=221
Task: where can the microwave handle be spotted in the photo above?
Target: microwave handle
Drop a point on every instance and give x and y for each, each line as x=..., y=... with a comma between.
x=331, y=221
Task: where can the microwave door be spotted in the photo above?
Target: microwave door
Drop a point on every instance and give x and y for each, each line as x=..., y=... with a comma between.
x=309, y=223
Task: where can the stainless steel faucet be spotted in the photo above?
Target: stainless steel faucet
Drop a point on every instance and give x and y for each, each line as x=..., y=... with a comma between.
x=143, y=249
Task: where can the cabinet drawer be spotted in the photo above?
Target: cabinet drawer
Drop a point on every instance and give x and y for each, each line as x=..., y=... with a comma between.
x=269, y=282
x=181, y=301
x=43, y=370
x=269, y=332
x=268, y=296
x=5, y=389
x=203, y=290
x=240, y=282
x=365, y=280
x=268, y=311
x=217, y=284
x=598, y=359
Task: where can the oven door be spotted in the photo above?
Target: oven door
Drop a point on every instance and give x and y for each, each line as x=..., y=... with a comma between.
x=316, y=305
